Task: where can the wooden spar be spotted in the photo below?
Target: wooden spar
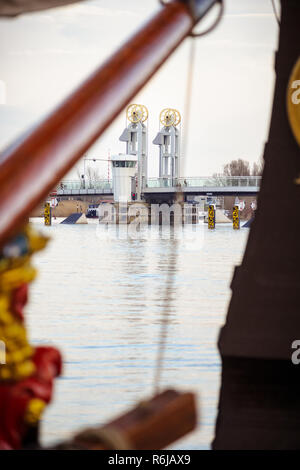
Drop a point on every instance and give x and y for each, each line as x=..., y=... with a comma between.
x=33, y=165
x=152, y=424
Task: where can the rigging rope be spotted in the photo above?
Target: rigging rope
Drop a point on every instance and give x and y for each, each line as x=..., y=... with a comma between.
x=275, y=12
x=173, y=255
x=166, y=311
x=187, y=103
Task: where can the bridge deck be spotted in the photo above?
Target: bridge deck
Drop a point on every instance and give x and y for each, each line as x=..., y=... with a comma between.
x=223, y=185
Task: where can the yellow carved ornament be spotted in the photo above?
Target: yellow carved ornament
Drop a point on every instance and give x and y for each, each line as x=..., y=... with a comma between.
x=16, y=270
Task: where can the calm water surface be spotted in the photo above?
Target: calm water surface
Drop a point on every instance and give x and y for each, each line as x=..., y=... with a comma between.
x=100, y=300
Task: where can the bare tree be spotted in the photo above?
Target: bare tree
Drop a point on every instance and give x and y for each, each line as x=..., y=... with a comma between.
x=237, y=168
x=92, y=175
x=257, y=168
x=242, y=167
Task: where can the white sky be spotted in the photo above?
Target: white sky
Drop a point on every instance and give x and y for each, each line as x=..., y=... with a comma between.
x=43, y=56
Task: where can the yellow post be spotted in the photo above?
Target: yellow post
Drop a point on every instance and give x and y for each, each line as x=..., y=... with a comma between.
x=211, y=217
x=236, y=218
x=47, y=214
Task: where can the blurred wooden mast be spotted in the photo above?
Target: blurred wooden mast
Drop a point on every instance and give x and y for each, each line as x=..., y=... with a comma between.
x=259, y=405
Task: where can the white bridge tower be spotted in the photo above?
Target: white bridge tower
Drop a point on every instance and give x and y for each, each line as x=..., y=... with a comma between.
x=136, y=137
x=168, y=139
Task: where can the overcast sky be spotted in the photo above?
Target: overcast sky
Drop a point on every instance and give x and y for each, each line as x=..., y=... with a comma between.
x=43, y=56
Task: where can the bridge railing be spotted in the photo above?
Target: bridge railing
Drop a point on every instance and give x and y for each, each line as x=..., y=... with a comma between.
x=191, y=182
x=68, y=185
x=205, y=181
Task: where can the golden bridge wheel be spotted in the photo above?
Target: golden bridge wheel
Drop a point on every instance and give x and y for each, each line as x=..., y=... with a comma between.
x=169, y=117
x=177, y=117
x=137, y=113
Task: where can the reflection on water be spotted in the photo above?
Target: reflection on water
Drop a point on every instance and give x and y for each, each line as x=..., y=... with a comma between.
x=101, y=300
x=168, y=298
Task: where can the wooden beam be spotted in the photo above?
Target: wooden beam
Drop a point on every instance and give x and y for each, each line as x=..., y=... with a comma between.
x=151, y=425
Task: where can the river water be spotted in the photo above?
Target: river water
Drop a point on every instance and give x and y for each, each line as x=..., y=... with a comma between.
x=101, y=298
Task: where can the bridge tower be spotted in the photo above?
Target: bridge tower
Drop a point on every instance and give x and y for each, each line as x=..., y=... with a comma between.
x=168, y=139
x=135, y=135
